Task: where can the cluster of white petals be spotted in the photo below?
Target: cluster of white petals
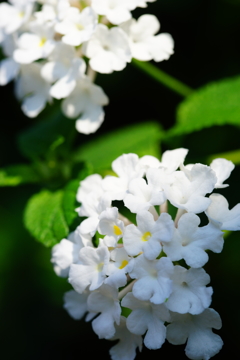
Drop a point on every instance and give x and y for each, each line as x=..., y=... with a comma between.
x=46, y=44
x=130, y=254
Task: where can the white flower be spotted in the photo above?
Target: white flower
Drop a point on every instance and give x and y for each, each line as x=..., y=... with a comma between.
x=110, y=225
x=9, y=68
x=66, y=252
x=188, y=190
x=105, y=300
x=223, y=169
x=108, y=49
x=77, y=27
x=127, y=167
x=60, y=61
x=14, y=16
x=189, y=293
x=134, y=259
x=86, y=101
x=154, y=281
x=93, y=206
x=116, y=11
x=219, y=213
x=125, y=349
x=32, y=89
x=147, y=318
x=144, y=45
x=91, y=269
x=120, y=265
x=76, y=304
x=202, y=343
x=190, y=241
x=161, y=47
x=92, y=183
x=142, y=196
x=67, y=83
x=34, y=46
x=148, y=235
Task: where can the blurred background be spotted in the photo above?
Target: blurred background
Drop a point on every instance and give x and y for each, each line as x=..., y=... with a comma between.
x=33, y=323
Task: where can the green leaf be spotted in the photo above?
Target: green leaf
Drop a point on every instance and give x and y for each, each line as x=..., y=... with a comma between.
x=50, y=216
x=69, y=201
x=216, y=103
x=142, y=139
x=18, y=174
x=233, y=156
x=44, y=217
x=50, y=132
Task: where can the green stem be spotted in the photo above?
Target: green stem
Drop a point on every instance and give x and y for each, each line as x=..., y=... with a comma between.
x=163, y=78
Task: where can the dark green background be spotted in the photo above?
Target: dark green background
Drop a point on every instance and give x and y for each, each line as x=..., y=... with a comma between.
x=33, y=323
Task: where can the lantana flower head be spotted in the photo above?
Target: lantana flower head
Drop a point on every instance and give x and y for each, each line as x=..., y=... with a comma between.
x=129, y=252
x=56, y=36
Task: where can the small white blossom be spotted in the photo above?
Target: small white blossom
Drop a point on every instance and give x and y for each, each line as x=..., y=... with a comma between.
x=34, y=46
x=190, y=241
x=127, y=167
x=105, y=301
x=91, y=269
x=32, y=89
x=108, y=50
x=86, y=101
x=66, y=252
x=202, y=343
x=118, y=268
x=116, y=11
x=110, y=225
x=144, y=44
x=147, y=318
x=223, y=169
x=153, y=279
x=219, y=213
x=188, y=190
x=76, y=304
x=125, y=349
x=77, y=27
x=189, y=293
x=148, y=235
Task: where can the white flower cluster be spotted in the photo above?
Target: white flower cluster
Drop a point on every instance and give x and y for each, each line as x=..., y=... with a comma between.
x=45, y=43
x=145, y=276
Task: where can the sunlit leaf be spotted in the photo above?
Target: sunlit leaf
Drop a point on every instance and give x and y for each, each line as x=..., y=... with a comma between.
x=44, y=217
x=49, y=216
x=18, y=174
x=233, y=156
x=141, y=139
x=214, y=104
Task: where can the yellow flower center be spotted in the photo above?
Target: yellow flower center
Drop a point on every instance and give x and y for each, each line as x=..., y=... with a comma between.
x=42, y=42
x=117, y=230
x=146, y=236
x=79, y=26
x=100, y=266
x=123, y=264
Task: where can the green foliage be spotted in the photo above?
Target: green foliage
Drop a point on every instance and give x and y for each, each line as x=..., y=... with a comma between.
x=14, y=175
x=233, y=156
x=50, y=216
x=45, y=218
x=141, y=139
x=52, y=131
x=216, y=103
